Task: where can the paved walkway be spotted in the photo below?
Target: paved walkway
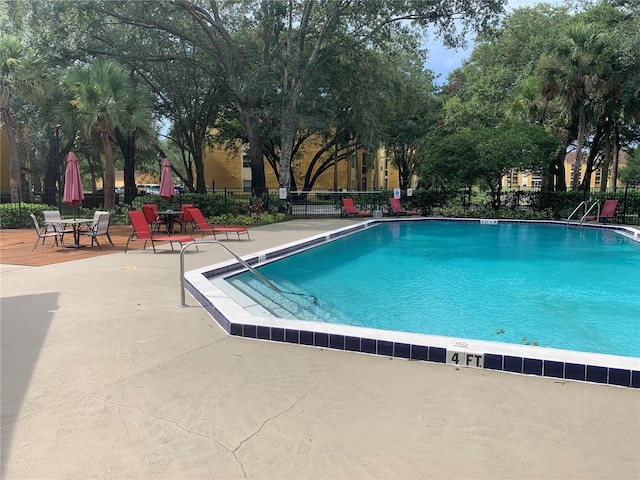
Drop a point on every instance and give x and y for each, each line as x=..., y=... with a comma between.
x=103, y=376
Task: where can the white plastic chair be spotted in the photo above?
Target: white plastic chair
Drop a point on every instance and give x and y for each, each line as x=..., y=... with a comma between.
x=99, y=227
x=53, y=223
x=43, y=234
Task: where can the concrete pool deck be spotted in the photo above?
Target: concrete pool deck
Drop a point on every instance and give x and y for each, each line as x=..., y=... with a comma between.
x=103, y=376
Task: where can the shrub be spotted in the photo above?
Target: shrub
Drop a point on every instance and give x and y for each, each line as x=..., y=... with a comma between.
x=428, y=200
x=264, y=218
x=489, y=212
x=16, y=215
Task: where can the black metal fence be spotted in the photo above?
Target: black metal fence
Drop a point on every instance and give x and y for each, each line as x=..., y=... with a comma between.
x=317, y=203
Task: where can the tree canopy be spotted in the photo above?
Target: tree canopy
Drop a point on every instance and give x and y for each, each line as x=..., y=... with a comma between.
x=276, y=75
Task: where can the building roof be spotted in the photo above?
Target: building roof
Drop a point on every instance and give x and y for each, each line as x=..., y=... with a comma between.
x=570, y=158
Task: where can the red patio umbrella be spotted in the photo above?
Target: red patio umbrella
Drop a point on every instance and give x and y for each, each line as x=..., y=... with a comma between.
x=166, y=182
x=73, y=192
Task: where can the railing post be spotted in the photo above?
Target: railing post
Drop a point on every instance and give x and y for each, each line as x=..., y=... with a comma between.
x=182, y=250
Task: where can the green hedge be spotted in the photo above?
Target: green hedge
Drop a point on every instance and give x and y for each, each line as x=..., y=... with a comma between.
x=489, y=212
x=533, y=204
x=214, y=208
x=16, y=215
x=210, y=205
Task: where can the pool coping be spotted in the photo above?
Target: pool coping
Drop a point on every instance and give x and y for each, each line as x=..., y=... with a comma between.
x=232, y=314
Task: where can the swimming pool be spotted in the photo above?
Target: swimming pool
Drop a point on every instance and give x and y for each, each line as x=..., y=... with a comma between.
x=512, y=283
x=448, y=340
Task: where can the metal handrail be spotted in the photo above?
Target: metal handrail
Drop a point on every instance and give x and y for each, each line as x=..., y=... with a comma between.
x=245, y=264
x=596, y=204
x=575, y=210
x=586, y=213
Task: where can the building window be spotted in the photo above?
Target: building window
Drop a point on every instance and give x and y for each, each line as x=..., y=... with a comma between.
x=246, y=160
x=246, y=186
x=514, y=177
x=573, y=168
x=536, y=181
x=598, y=176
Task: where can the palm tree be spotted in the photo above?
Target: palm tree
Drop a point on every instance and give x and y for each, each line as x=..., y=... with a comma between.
x=104, y=99
x=19, y=77
x=571, y=72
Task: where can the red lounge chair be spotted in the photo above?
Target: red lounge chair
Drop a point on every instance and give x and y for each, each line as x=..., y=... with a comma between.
x=397, y=209
x=350, y=208
x=151, y=215
x=142, y=231
x=201, y=225
x=608, y=211
x=185, y=217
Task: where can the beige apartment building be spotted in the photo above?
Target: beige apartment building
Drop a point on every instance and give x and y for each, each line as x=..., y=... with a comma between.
x=229, y=168
x=526, y=179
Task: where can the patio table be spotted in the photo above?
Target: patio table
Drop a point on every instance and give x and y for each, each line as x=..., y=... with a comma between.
x=75, y=224
x=169, y=216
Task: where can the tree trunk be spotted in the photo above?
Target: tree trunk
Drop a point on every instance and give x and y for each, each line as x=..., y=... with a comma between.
x=258, y=180
x=558, y=170
x=286, y=140
x=496, y=191
x=546, y=184
x=575, y=178
x=287, y=137
x=616, y=153
x=128, y=148
x=201, y=186
x=294, y=184
x=51, y=174
x=109, y=184
x=14, y=160
x=53, y=169
x=601, y=130
x=335, y=169
x=606, y=165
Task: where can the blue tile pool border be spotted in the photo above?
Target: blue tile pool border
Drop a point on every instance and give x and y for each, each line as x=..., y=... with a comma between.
x=577, y=366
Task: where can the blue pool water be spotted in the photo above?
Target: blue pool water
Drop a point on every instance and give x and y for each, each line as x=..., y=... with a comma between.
x=547, y=285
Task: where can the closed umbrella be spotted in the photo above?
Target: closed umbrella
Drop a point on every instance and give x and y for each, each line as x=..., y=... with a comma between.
x=166, y=182
x=73, y=192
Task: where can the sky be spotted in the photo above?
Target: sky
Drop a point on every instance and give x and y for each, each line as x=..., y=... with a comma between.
x=443, y=61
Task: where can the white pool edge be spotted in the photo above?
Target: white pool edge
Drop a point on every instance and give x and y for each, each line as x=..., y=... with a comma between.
x=235, y=319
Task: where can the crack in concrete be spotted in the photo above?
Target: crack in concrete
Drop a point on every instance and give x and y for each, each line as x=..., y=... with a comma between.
x=233, y=451
x=181, y=427
x=194, y=350
x=296, y=401
x=128, y=435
